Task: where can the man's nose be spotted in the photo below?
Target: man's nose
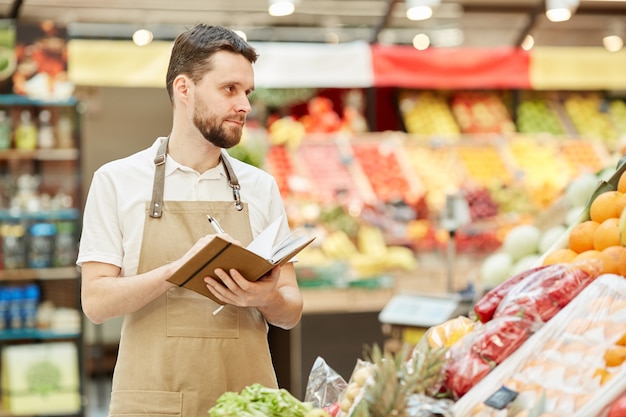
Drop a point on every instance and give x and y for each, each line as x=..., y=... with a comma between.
x=243, y=105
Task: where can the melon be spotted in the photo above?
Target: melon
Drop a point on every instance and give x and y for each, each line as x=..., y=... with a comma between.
x=550, y=237
x=525, y=263
x=522, y=240
x=496, y=268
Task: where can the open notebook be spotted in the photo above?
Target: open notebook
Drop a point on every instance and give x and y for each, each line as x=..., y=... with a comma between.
x=253, y=261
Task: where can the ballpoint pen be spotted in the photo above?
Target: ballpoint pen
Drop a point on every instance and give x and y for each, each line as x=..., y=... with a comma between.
x=218, y=229
x=215, y=224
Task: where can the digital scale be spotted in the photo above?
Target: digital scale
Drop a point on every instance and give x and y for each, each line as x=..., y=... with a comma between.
x=407, y=316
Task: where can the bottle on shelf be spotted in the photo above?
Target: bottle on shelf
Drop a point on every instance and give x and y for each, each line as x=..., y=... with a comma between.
x=13, y=244
x=4, y=307
x=41, y=245
x=45, y=133
x=30, y=303
x=64, y=130
x=26, y=132
x=65, y=245
x=5, y=130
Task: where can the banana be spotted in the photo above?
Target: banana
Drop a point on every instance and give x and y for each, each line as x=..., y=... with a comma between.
x=371, y=241
x=366, y=265
x=338, y=245
x=400, y=257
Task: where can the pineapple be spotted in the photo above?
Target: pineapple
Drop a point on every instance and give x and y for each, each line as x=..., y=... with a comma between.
x=426, y=368
x=394, y=379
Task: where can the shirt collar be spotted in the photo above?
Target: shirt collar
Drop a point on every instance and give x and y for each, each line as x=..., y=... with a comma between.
x=171, y=165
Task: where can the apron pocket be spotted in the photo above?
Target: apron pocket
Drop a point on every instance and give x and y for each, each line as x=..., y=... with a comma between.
x=146, y=403
x=190, y=314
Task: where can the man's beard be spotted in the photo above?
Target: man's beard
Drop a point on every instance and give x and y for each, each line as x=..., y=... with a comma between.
x=211, y=128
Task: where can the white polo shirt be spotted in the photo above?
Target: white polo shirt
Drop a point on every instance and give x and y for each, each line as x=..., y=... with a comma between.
x=114, y=212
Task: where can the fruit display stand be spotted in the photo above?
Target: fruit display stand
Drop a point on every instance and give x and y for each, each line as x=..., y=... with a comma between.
x=538, y=163
x=330, y=172
x=338, y=322
x=437, y=168
x=356, y=169
x=565, y=368
x=483, y=162
x=389, y=176
x=506, y=180
x=583, y=156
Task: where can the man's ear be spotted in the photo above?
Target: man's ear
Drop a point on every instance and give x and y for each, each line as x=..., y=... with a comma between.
x=181, y=86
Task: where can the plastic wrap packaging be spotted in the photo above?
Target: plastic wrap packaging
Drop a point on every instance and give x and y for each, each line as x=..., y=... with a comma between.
x=446, y=334
x=545, y=291
x=509, y=315
x=572, y=366
x=361, y=376
x=372, y=390
x=325, y=387
x=425, y=406
x=479, y=352
x=538, y=293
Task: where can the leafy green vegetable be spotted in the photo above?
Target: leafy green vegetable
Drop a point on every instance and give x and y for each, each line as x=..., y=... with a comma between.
x=258, y=401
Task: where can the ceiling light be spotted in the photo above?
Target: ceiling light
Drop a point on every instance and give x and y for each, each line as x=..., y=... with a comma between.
x=528, y=43
x=142, y=37
x=421, y=41
x=281, y=7
x=560, y=10
x=420, y=9
x=332, y=38
x=613, y=43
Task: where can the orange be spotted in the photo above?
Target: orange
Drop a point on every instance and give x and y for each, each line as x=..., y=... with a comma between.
x=605, y=376
x=588, y=254
x=606, y=234
x=621, y=341
x=611, y=259
x=621, y=184
x=615, y=356
x=581, y=236
x=621, y=203
x=558, y=256
x=605, y=206
x=622, y=264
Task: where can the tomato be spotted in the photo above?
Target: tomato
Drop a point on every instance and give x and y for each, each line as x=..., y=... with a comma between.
x=618, y=408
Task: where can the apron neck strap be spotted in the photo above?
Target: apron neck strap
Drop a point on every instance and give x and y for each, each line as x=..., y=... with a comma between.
x=156, y=205
x=233, y=181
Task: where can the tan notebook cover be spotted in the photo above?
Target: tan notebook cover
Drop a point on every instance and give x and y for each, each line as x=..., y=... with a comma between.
x=220, y=253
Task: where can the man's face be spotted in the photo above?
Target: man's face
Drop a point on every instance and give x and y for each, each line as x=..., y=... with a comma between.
x=221, y=99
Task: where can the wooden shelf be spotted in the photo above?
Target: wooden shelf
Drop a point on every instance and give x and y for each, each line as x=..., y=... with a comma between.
x=37, y=334
x=69, y=154
x=68, y=272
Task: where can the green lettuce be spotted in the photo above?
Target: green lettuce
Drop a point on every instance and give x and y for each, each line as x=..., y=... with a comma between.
x=257, y=400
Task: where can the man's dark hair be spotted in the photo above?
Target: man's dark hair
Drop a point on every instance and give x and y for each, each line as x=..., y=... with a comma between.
x=193, y=49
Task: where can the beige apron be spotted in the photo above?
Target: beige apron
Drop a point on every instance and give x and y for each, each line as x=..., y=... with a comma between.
x=175, y=357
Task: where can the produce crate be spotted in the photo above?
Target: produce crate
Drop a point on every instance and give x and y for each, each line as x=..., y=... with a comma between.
x=329, y=173
x=388, y=174
x=563, y=361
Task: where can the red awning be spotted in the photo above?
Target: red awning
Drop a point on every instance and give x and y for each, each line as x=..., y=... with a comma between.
x=468, y=68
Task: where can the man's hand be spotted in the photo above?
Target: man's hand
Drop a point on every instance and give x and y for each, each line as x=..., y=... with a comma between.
x=276, y=295
x=237, y=290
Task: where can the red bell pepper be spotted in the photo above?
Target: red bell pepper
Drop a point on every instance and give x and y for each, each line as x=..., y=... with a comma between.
x=501, y=337
x=464, y=372
x=487, y=305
